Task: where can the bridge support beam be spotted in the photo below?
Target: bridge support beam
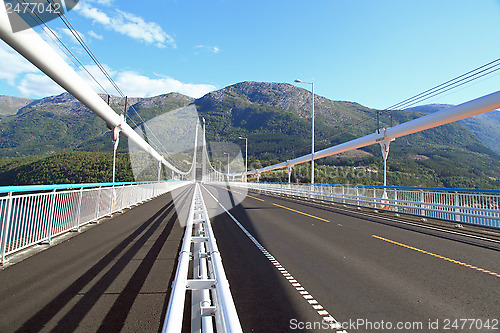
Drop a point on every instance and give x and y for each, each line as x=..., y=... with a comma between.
x=116, y=141
x=468, y=109
x=289, y=173
x=159, y=171
x=32, y=47
x=384, y=146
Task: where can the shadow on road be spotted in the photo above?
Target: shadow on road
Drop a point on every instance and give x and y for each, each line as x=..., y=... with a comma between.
x=260, y=292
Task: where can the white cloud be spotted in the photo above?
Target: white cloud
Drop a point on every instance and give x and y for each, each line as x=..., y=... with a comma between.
x=105, y=2
x=72, y=37
x=213, y=49
x=38, y=85
x=128, y=24
x=94, y=35
x=25, y=77
x=49, y=38
x=137, y=85
x=93, y=13
x=30, y=82
x=13, y=64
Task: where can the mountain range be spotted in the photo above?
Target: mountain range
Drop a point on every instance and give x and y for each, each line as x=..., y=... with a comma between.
x=485, y=126
x=276, y=118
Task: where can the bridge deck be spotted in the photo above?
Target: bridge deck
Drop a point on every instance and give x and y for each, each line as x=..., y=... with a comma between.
x=354, y=266
x=113, y=277
x=331, y=263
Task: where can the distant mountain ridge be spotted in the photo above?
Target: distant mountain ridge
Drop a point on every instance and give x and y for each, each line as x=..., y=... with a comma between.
x=286, y=97
x=276, y=119
x=247, y=106
x=59, y=123
x=10, y=105
x=485, y=126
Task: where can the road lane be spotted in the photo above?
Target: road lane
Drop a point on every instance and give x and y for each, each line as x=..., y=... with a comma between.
x=357, y=276
x=113, y=277
x=265, y=300
x=299, y=269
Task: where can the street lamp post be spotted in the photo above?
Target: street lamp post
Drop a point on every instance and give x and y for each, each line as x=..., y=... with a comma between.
x=220, y=168
x=312, y=135
x=246, y=156
x=227, y=165
x=203, y=153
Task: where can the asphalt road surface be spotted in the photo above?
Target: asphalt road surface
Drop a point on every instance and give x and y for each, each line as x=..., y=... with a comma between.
x=368, y=274
x=113, y=277
x=292, y=267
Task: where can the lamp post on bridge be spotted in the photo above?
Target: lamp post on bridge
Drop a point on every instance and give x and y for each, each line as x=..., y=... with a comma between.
x=221, y=171
x=312, y=133
x=227, y=165
x=246, y=156
x=204, y=153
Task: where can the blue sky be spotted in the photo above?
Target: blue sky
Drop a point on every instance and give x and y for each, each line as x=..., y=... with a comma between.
x=376, y=53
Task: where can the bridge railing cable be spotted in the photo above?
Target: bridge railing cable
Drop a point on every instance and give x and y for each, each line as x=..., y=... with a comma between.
x=30, y=45
x=442, y=88
x=468, y=109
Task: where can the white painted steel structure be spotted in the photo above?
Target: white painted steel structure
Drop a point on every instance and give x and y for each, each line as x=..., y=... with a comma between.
x=211, y=296
x=31, y=46
x=31, y=215
x=477, y=207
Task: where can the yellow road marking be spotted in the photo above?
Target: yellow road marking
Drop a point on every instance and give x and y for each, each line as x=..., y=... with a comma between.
x=254, y=198
x=296, y=211
x=242, y=193
x=437, y=256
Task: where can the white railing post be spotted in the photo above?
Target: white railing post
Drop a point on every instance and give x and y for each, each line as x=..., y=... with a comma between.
x=396, y=200
x=5, y=229
x=111, y=197
x=50, y=222
x=98, y=203
x=422, y=198
x=357, y=195
x=79, y=211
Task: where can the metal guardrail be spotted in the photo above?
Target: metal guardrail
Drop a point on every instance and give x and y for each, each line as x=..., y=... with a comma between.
x=468, y=206
x=211, y=298
x=36, y=214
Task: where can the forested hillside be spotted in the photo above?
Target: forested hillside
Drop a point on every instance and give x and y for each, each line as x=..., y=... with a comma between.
x=57, y=140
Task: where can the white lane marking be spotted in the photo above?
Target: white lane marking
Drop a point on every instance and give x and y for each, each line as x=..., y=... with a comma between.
x=327, y=317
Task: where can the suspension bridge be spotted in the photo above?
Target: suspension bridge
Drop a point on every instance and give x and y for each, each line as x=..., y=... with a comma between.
x=211, y=251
